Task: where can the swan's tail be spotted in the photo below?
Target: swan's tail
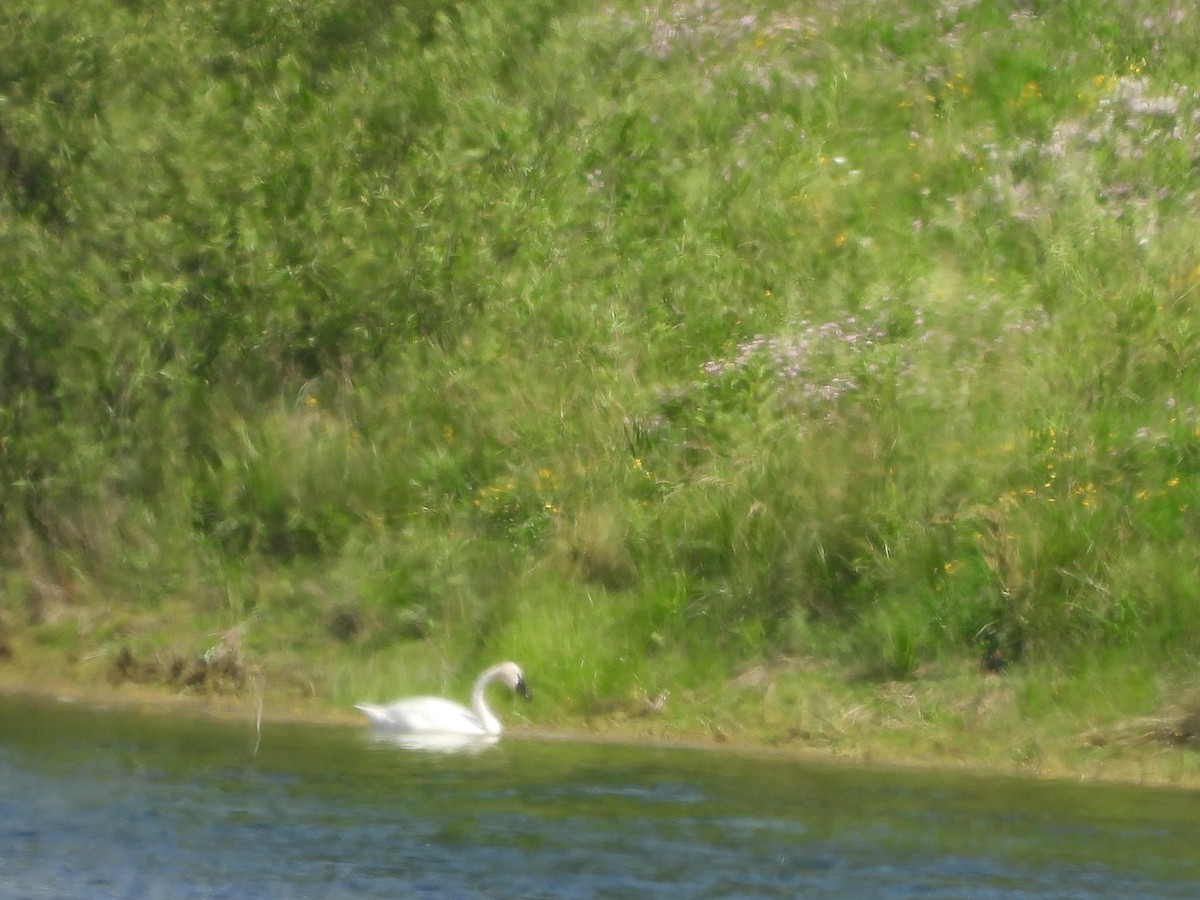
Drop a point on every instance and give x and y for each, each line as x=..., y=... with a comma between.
x=377, y=714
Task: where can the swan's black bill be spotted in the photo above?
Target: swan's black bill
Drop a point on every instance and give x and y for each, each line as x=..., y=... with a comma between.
x=523, y=689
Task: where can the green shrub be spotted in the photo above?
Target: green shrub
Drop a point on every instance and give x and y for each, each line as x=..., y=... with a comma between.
x=715, y=333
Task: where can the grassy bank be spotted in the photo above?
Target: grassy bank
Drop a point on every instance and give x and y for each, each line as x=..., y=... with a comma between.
x=820, y=374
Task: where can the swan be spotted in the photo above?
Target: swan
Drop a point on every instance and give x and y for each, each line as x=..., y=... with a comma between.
x=425, y=716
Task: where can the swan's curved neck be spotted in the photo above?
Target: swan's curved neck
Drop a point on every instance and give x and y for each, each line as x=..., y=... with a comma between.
x=487, y=718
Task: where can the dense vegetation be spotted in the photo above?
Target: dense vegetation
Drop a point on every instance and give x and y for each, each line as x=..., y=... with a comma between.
x=639, y=342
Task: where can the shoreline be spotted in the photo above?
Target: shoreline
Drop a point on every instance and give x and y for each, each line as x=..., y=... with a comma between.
x=1146, y=765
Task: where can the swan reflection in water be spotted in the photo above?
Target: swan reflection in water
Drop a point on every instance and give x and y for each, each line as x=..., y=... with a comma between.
x=440, y=725
x=435, y=743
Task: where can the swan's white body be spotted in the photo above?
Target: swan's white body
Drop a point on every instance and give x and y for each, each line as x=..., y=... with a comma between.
x=437, y=716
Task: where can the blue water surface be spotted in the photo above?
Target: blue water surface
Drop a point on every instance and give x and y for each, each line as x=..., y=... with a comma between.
x=97, y=804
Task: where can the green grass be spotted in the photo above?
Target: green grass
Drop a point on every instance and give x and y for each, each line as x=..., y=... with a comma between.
x=645, y=344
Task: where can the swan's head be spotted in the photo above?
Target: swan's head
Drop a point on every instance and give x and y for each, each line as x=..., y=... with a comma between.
x=512, y=675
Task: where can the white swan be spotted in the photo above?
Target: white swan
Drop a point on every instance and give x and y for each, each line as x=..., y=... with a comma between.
x=426, y=716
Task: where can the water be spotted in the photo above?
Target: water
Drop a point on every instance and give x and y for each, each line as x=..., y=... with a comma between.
x=111, y=804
